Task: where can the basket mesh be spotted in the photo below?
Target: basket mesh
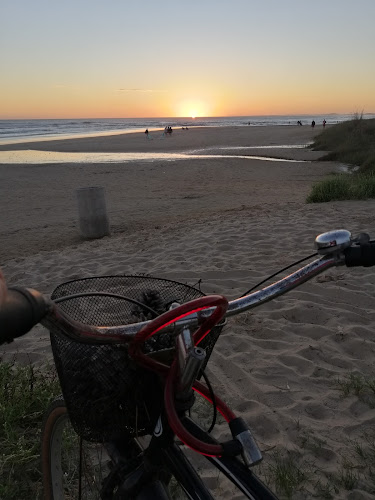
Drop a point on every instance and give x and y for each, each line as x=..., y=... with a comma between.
x=106, y=394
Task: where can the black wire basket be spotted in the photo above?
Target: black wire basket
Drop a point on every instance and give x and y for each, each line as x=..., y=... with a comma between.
x=107, y=395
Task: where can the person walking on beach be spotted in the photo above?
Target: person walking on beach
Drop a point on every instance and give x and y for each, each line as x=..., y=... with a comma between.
x=324, y=123
x=313, y=123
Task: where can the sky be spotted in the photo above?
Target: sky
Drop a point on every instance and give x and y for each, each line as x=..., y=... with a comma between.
x=154, y=58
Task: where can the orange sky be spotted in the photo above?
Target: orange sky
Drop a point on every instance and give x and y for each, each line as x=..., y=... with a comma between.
x=213, y=58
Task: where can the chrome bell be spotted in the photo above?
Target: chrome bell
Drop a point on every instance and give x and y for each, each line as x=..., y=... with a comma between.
x=333, y=241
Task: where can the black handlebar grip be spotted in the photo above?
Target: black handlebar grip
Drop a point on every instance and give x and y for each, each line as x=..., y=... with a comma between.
x=360, y=255
x=22, y=309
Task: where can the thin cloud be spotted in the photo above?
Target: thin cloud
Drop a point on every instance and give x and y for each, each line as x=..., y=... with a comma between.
x=139, y=90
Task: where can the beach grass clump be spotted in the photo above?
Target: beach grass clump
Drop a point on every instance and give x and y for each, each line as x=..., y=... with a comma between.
x=25, y=392
x=304, y=471
x=351, y=142
x=358, y=385
x=288, y=473
x=348, y=476
x=354, y=186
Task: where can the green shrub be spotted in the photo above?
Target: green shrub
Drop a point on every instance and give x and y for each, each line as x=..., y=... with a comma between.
x=356, y=186
x=25, y=393
x=333, y=188
x=351, y=142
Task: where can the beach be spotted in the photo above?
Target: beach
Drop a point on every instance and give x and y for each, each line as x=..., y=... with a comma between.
x=226, y=222
x=38, y=203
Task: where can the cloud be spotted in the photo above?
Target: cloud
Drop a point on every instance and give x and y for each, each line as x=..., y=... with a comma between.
x=139, y=90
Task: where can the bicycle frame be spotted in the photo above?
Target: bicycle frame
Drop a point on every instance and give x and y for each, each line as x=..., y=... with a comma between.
x=163, y=454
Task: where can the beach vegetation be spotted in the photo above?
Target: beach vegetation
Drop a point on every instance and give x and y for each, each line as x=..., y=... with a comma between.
x=360, y=386
x=296, y=473
x=351, y=143
x=348, y=476
x=287, y=472
x=25, y=392
x=365, y=452
x=342, y=187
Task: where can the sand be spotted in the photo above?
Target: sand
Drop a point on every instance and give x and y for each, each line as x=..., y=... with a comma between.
x=228, y=222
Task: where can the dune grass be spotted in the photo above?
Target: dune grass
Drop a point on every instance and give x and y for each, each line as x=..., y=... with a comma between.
x=25, y=392
x=295, y=473
x=351, y=143
x=349, y=186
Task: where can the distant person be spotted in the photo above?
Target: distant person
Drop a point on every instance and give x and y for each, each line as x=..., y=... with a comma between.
x=324, y=123
x=148, y=135
x=299, y=123
x=313, y=123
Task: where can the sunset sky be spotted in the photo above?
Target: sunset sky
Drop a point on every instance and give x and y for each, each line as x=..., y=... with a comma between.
x=152, y=58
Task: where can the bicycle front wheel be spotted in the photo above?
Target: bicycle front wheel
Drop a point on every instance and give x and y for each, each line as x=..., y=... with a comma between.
x=72, y=468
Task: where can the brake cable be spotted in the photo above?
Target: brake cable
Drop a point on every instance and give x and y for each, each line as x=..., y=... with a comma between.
x=278, y=272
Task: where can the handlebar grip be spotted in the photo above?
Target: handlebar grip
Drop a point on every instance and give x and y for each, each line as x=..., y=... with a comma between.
x=22, y=309
x=360, y=255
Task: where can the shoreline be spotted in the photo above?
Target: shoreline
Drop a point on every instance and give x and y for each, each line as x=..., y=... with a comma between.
x=18, y=130
x=195, y=137
x=67, y=137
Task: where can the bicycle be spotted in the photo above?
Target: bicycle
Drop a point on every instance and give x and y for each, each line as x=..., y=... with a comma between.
x=127, y=388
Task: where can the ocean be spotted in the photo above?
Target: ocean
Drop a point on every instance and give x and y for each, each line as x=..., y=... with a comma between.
x=12, y=131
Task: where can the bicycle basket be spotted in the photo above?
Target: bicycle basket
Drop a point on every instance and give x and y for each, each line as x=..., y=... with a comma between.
x=107, y=395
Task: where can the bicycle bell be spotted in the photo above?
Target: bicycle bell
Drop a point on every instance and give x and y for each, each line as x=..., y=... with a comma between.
x=333, y=241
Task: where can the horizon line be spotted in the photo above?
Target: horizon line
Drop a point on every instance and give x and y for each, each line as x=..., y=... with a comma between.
x=196, y=118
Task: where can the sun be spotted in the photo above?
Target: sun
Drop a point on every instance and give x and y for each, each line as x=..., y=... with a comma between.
x=192, y=108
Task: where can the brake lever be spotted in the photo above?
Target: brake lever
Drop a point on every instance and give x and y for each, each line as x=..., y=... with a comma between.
x=361, y=239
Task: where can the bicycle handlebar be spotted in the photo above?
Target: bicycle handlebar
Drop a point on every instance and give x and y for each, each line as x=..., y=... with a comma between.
x=361, y=255
x=23, y=308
